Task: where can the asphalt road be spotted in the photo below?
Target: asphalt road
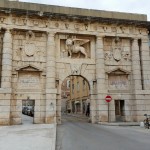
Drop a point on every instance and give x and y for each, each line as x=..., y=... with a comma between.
x=80, y=135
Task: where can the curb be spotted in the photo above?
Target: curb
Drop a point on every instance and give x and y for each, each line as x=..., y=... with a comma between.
x=120, y=124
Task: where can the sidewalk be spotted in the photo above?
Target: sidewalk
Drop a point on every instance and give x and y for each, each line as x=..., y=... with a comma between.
x=120, y=123
x=28, y=137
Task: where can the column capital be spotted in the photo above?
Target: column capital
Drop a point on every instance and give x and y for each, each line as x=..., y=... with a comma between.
x=51, y=33
x=100, y=37
x=8, y=36
x=7, y=29
x=134, y=39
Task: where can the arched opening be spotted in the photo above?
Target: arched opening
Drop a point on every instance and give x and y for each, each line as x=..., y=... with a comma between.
x=75, y=98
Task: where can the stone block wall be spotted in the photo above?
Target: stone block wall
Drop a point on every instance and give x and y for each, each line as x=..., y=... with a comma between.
x=37, y=53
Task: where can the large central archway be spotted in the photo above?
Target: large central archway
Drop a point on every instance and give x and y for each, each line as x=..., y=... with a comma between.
x=75, y=98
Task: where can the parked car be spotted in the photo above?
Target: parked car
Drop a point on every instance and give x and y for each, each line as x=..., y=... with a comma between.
x=28, y=110
x=25, y=110
x=31, y=111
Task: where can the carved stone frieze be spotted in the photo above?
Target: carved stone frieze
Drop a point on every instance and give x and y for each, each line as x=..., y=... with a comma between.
x=36, y=22
x=75, y=69
x=78, y=27
x=75, y=47
x=27, y=47
x=117, y=50
x=2, y=19
x=105, y=28
x=66, y=25
x=123, y=29
x=108, y=55
x=113, y=29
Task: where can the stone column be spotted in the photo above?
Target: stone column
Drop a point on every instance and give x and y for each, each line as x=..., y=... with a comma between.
x=136, y=69
x=51, y=80
x=145, y=62
x=102, y=109
x=136, y=77
x=7, y=60
x=93, y=106
x=5, y=94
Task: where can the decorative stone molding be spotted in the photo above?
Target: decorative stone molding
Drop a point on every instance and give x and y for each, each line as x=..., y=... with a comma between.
x=30, y=35
x=117, y=50
x=67, y=25
x=29, y=68
x=30, y=49
x=29, y=46
x=113, y=29
x=2, y=19
x=75, y=69
x=118, y=71
x=75, y=47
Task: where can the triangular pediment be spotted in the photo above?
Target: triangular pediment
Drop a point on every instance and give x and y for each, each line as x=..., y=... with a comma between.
x=118, y=71
x=28, y=68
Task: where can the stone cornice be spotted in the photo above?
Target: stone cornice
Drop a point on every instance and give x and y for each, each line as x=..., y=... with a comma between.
x=73, y=14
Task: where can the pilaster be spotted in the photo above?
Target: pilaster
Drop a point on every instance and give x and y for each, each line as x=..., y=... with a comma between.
x=7, y=60
x=5, y=96
x=101, y=81
x=136, y=68
x=50, y=80
x=145, y=58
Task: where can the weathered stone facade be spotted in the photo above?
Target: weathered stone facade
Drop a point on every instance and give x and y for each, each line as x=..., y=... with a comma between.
x=41, y=45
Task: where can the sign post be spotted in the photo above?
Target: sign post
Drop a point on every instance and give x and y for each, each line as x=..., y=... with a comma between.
x=108, y=99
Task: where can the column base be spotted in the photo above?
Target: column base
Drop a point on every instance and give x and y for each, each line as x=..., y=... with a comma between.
x=50, y=120
x=4, y=122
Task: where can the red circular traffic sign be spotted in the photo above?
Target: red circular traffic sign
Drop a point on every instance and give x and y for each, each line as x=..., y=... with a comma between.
x=108, y=98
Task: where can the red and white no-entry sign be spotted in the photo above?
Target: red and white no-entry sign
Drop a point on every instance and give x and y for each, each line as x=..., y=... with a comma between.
x=108, y=98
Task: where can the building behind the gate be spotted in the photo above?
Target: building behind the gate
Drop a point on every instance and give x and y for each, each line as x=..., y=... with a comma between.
x=79, y=95
x=41, y=45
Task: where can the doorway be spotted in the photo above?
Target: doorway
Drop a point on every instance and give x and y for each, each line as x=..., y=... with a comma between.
x=120, y=110
x=28, y=111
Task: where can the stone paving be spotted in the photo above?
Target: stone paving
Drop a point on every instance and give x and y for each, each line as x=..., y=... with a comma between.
x=28, y=136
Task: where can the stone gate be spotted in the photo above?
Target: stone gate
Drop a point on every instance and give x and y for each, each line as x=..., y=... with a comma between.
x=41, y=45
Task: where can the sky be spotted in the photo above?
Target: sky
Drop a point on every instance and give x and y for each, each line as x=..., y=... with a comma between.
x=131, y=6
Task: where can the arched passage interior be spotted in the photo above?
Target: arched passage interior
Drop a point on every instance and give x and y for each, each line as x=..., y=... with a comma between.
x=75, y=96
